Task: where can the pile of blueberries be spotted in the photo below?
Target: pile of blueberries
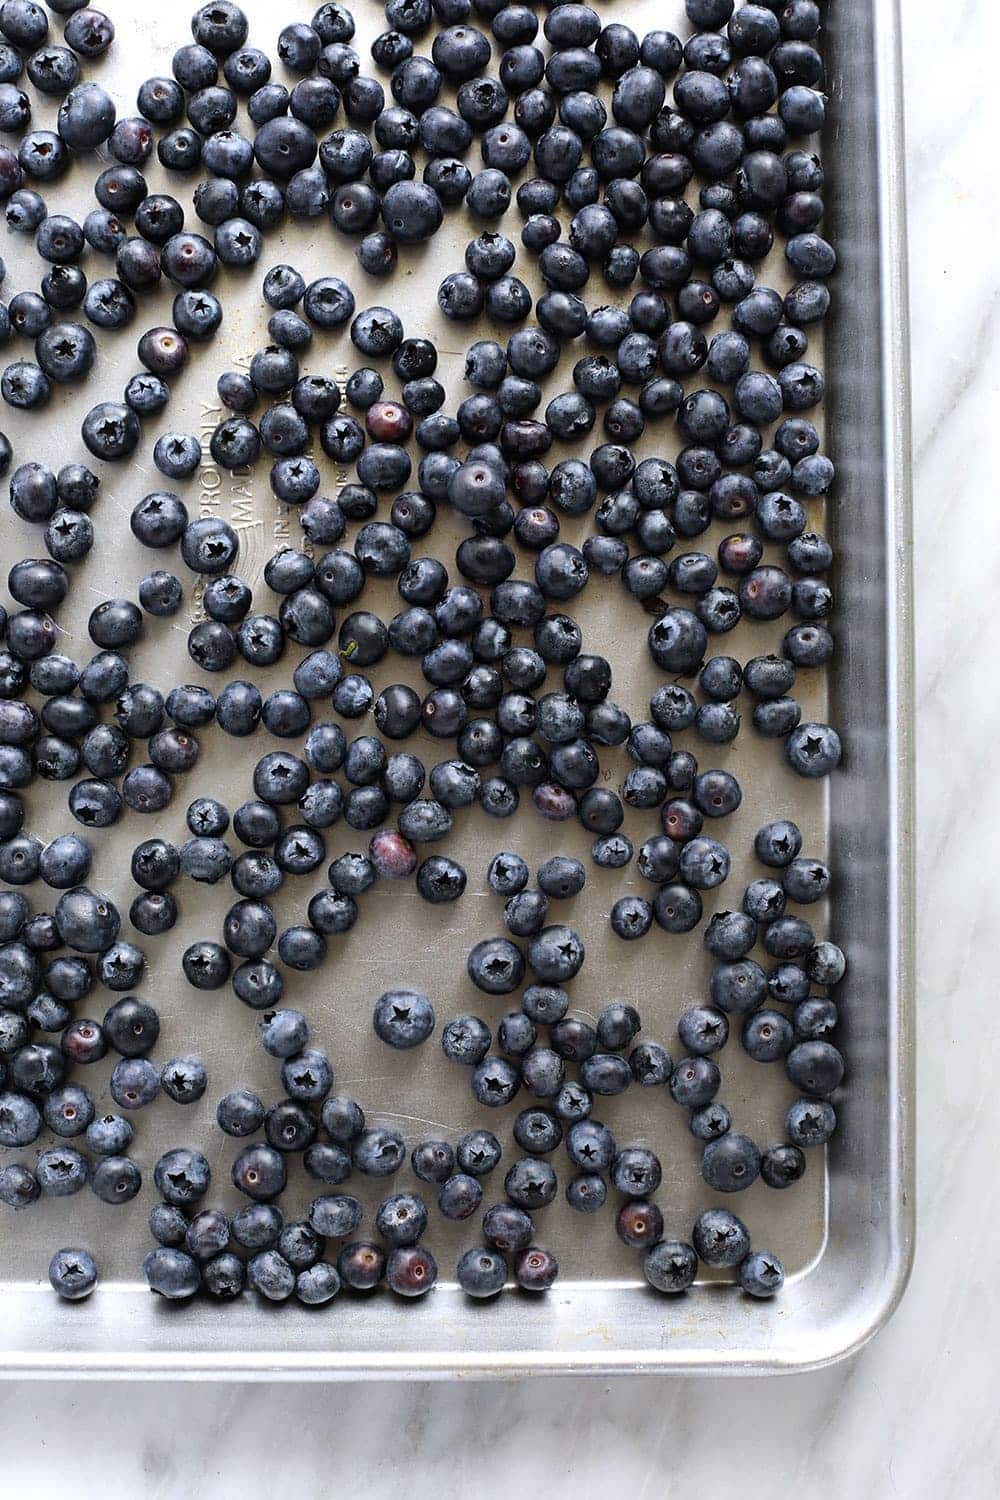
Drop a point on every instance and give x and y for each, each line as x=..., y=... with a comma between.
x=608, y=200
x=330, y=1133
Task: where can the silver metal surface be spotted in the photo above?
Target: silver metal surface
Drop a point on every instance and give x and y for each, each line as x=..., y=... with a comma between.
x=845, y=1232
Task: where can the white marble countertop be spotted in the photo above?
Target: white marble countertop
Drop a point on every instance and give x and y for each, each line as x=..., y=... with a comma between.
x=915, y=1415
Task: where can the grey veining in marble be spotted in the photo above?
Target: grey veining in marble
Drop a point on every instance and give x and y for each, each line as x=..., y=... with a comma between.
x=915, y=1415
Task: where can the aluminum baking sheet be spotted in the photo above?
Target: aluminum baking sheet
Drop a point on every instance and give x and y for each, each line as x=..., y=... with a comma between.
x=844, y=1232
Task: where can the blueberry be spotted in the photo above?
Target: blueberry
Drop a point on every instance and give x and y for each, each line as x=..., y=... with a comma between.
x=161, y=593
x=810, y=1122
x=224, y=1276
x=496, y=966
x=153, y=912
x=731, y=1163
x=466, y=1039
x=525, y=913
x=259, y=1172
x=308, y=1075
x=537, y=1131
x=14, y=1032
x=270, y=1274
x=788, y=938
x=403, y=1018
x=64, y=862
x=730, y=935
x=631, y=917
x=411, y=1271
x=815, y=1019
x=362, y=1265
x=432, y=1161
x=816, y=1067
x=184, y=1079
x=650, y=1063
x=327, y=1163
x=477, y=1152
x=535, y=1269
x=516, y=1034
x=68, y=1110
x=20, y=856
x=542, y=1072
x=561, y=877
x=87, y=114
x=617, y=1024
x=481, y=1272
x=720, y=1238
x=761, y=1274
x=696, y=1079
x=73, y=1274
x=495, y=1082
x=767, y=1035
x=590, y=1145
x=116, y=1179
x=670, y=1266
x=440, y=879
x=778, y=843
x=45, y=1011
x=709, y=1121
x=256, y=1227
x=530, y=1183
x=20, y=1120
x=206, y=965
x=379, y=1151
x=636, y=1172
x=556, y=954
x=401, y=1218
x=639, y=1224
x=218, y=28
x=182, y=1176
x=240, y=1113
x=177, y=454
x=14, y=912
x=704, y=863
x=586, y=1192
x=172, y=1273
x=411, y=211
x=87, y=921
x=317, y=1284
x=61, y=1171
x=825, y=964
x=613, y=852
x=738, y=986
